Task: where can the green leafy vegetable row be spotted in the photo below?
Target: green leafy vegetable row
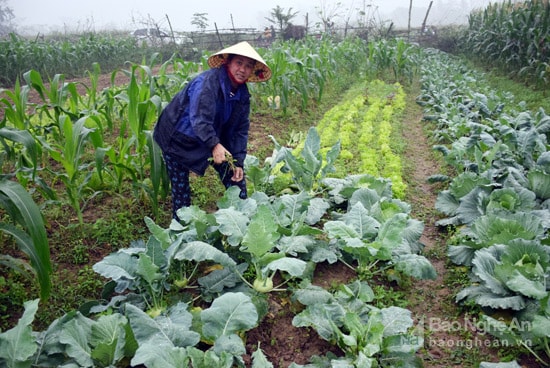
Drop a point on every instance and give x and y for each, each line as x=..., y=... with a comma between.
x=499, y=201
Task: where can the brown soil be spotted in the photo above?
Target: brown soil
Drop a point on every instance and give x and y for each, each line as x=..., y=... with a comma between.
x=430, y=301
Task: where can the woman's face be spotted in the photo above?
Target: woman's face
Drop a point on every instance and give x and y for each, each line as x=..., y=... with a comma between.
x=241, y=68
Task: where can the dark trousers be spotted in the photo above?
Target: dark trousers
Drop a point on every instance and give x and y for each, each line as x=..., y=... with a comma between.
x=181, y=190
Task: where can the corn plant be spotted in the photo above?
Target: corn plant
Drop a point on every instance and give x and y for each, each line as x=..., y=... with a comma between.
x=69, y=151
x=28, y=231
x=513, y=36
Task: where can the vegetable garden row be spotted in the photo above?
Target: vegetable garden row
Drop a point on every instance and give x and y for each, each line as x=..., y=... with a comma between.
x=189, y=293
x=499, y=202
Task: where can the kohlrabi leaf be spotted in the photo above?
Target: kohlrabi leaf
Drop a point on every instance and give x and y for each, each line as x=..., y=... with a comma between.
x=359, y=219
x=293, y=266
x=390, y=235
x=415, y=265
x=357, y=290
x=232, y=224
x=402, y=348
x=292, y=208
x=209, y=359
x=232, y=344
x=117, y=266
x=148, y=270
x=231, y=199
x=294, y=245
x=17, y=345
x=199, y=251
x=197, y=218
x=165, y=331
x=75, y=335
x=262, y=233
x=316, y=210
x=109, y=339
x=368, y=197
x=325, y=318
x=151, y=355
x=217, y=280
x=310, y=152
x=160, y=233
x=259, y=359
x=386, y=208
x=230, y=313
x=340, y=230
x=313, y=294
x=396, y=320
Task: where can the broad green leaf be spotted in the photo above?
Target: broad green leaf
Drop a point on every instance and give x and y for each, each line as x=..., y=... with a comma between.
x=316, y=210
x=163, y=235
x=359, y=218
x=158, y=356
x=217, y=280
x=199, y=251
x=396, y=320
x=75, y=335
x=485, y=298
x=210, y=359
x=324, y=318
x=416, y=266
x=259, y=359
x=148, y=270
x=119, y=266
x=18, y=345
x=231, y=199
x=540, y=326
x=230, y=313
x=231, y=344
x=522, y=285
x=233, y=224
x=461, y=254
x=313, y=294
x=539, y=182
x=108, y=339
x=262, y=233
x=172, y=330
x=403, y=345
x=340, y=230
x=503, y=228
x=390, y=235
x=293, y=266
x=484, y=264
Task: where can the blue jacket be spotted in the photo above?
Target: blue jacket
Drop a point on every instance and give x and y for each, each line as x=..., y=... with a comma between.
x=202, y=115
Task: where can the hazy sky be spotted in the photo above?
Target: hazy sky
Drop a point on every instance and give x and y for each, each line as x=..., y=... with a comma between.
x=32, y=16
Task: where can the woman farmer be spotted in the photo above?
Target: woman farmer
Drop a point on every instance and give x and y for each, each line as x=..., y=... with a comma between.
x=207, y=122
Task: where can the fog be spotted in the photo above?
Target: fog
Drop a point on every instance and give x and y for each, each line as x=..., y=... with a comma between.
x=41, y=16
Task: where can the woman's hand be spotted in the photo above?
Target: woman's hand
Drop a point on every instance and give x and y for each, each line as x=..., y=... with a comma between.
x=238, y=174
x=219, y=154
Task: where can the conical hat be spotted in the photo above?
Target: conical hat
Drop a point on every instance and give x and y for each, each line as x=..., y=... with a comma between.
x=261, y=71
